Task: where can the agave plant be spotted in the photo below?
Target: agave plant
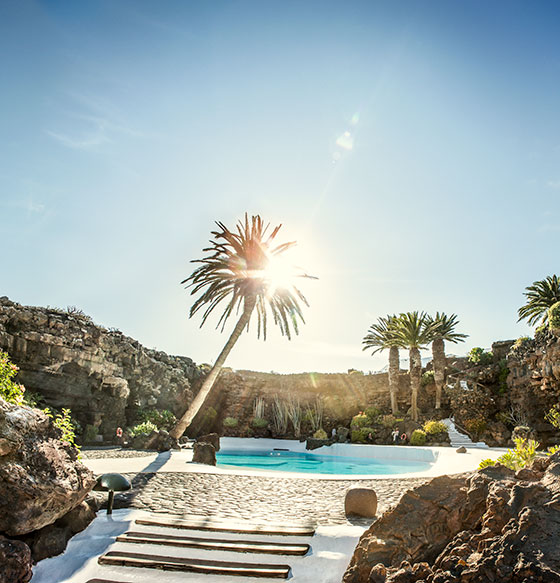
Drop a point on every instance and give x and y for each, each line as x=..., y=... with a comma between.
x=381, y=336
x=242, y=270
x=441, y=328
x=540, y=296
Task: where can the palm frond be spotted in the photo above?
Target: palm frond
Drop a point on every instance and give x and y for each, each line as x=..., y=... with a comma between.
x=443, y=326
x=540, y=296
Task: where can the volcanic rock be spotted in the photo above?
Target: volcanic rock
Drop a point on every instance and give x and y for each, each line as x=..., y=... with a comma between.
x=212, y=438
x=41, y=479
x=15, y=561
x=493, y=525
x=204, y=453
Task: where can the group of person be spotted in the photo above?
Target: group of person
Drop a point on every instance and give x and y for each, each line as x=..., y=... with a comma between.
x=397, y=437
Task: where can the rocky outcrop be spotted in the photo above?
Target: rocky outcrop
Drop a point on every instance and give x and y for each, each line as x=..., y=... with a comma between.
x=15, y=561
x=494, y=525
x=103, y=376
x=204, y=453
x=41, y=478
x=534, y=382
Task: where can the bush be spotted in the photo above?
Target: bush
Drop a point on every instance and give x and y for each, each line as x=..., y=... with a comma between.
x=162, y=419
x=9, y=391
x=89, y=434
x=389, y=421
x=66, y=425
x=476, y=427
x=143, y=429
x=521, y=341
x=359, y=420
x=427, y=378
x=515, y=459
x=434, y=427
x=35, y=400
x=361, y=435
x=231, y=422
x=418, y=437
x=320, y=434
x=554, y=318
x=372, y=413
x=259, y=422
x=478, y=355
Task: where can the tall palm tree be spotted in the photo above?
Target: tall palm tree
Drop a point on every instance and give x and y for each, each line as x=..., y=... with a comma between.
x=241, y=269
x=412, y=331
x=442, y=328
x=381, y=336
x=540, y=296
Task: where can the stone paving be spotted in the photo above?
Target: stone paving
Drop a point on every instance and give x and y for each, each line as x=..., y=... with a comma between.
x=255, y=497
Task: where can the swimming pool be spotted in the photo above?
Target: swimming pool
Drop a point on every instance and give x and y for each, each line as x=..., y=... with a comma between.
x=285, y=460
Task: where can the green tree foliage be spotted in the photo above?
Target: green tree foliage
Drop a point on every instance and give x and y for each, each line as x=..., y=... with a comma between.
x=418, y=437
x=144, y=428
x=541, y=296
x=554, y=317
x=10, y=391
x=480, y=356
x=161, y=418
x=434, y=427
x=239, y=271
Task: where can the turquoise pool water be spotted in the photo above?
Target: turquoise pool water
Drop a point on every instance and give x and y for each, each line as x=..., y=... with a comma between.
x=309, y=463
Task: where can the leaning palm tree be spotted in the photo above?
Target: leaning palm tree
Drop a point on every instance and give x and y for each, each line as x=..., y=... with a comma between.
x=540, y=296
x=381, y=336
x=241, y=269
x=442, y=328
x=412, y=331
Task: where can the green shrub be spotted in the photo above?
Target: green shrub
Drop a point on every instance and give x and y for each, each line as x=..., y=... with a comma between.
x=418, y=437
x=503, y=417
x=162, y=419
x=521, y=341
x=427, y=378
x=66, y=425
x=359, y=420
x=553, y=417
x=502, y=377
x=434, y=427
x=554, y=318
x=208, y=418
x=259, y=422
x=231, y=422
x=361, y=435
x=144, y=428
x=9, y=391
x=89, y=433
x=372, y=413
x=515, y=459
x=35, y=400
x=478, y=355
x=320, y=434
x=476, y=426
x=389, y=421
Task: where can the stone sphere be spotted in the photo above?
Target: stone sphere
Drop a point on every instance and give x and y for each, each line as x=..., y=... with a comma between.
x=361, y=502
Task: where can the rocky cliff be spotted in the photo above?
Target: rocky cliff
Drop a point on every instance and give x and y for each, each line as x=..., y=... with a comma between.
x=102, y=375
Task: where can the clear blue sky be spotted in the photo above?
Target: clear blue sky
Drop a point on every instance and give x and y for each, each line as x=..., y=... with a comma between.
x=128, y=127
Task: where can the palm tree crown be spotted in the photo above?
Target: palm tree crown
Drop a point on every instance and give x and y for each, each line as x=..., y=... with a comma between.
x=382, y=335
x=239, y=270
x=443, y=326
x=413, y=330
x=540, y=296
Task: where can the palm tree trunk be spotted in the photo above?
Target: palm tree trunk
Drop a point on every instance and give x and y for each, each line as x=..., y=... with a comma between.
x=394, y=367
x=438, y=362
x=209, y=381
x=415, y=377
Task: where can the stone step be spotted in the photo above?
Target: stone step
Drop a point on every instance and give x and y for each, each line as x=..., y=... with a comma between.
x=212, y=525
x=239, y=546
x=166, y=563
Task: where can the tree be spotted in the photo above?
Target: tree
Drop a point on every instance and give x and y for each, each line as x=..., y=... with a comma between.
x=381, y=336
x=412, y=331
x=540, y=296
x=244, y=269
x=442, y=328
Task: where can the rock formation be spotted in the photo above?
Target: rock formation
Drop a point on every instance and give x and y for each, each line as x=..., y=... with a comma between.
x=493, y=525
x=103, y=376
x=40, y=477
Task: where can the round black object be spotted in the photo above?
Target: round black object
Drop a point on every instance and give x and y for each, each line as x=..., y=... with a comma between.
x=112, y=482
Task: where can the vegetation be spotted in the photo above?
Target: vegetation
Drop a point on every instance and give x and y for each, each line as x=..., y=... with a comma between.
x=476, y=427
x=314, y=414
x=418, y=437
x=259, y=423
x=162, y=419
x=66, y=425
x=144, y=428
x=295, y=415
x=427, y=378
x=554, y=317
x=372, y=413
x=9, y=390
x=389, y=421
x=412, y=331
x=320, y=434
x=360, y=420
x=382, y=336
x=478, y=355
x=239, y=271
x=439, y=329
x=434, y=427
x=515, y=459
x=362, y=435
x=231, y=422
x=541, y=296
x=279, y=416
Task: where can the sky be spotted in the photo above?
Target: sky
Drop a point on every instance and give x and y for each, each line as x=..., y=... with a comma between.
x=411, y=148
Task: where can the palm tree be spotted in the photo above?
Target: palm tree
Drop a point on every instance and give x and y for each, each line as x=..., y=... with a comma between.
x=412, y=331
x=381, y=336
x=242, y=269
x=540, y=296
x=442, y=328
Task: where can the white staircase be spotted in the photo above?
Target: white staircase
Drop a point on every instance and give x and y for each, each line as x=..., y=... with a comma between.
x=460, y=439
